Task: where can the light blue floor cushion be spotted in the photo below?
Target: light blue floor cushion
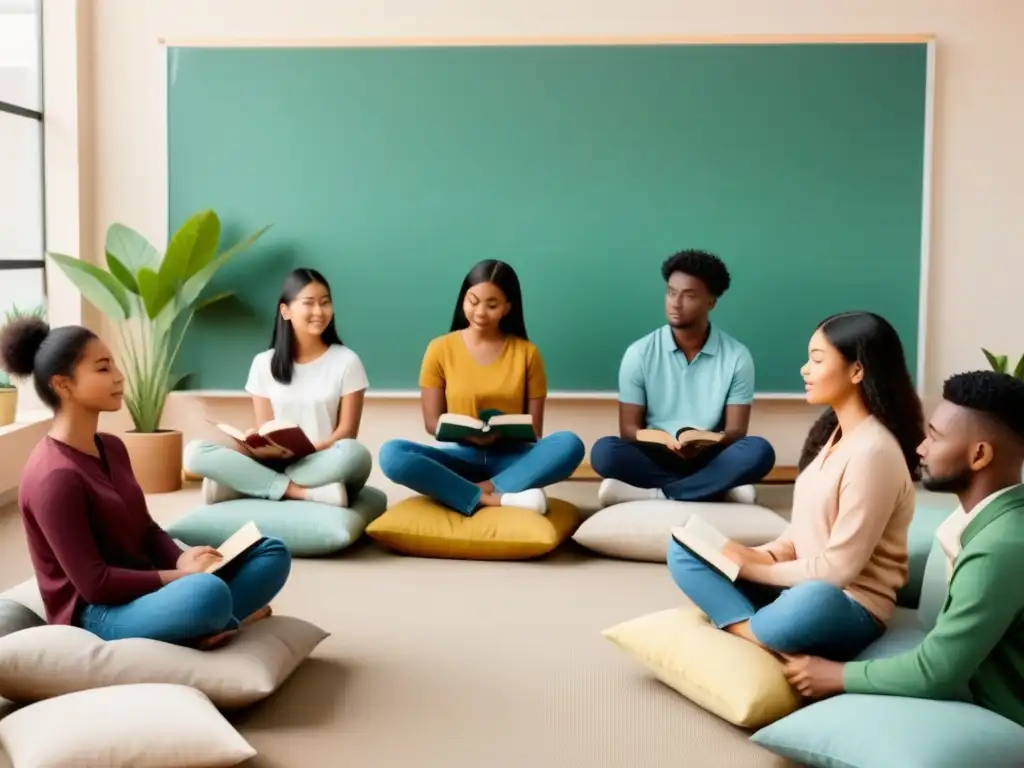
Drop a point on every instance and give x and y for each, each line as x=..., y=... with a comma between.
x=859, y=731
x=928, y=515
x=307, y=528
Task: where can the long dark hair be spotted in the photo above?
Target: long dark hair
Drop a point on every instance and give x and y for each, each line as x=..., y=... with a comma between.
x=282, y=364
x=503, y=276
x=887, y=388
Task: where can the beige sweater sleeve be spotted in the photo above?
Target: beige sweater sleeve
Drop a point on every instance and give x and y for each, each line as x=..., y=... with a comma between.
x=782, y=548
x=868, y=494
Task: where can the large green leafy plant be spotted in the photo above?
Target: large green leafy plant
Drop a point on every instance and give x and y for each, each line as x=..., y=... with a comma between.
x=152, y=298
x=1001, y=364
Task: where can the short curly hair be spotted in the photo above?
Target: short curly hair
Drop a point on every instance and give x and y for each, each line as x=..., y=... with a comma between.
x=706, y=267
x=999, y=396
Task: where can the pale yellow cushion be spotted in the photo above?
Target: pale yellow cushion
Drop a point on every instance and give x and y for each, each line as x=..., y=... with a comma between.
x=423, y=527
x=124, y=726
x=53, y=660
x=724, y=674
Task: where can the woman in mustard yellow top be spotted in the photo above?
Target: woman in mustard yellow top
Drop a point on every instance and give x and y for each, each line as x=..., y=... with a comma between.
x=485, y=363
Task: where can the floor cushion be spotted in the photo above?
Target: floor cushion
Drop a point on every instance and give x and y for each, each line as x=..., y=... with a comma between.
x=861, y=731
x=15, y=617
x=425, y=528
x=639, y=530
x=928, y=515
x=307, y=528
x=724, y=674
x=55, y=660
x=124, y=726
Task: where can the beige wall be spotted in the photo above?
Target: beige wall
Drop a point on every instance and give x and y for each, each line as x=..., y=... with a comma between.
x=978, y=151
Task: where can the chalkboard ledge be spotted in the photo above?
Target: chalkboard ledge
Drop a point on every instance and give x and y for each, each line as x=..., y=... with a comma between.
x=413, y=394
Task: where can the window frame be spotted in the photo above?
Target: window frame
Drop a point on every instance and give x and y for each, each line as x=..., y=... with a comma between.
x=18, y=111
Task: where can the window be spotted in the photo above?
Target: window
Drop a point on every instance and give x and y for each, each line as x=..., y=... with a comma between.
x=22, y=230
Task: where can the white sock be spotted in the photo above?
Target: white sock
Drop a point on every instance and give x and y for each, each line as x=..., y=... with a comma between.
x=333, y=493
x=214, y=492
x=617, y=492
x=532, y=499
x=742, y=494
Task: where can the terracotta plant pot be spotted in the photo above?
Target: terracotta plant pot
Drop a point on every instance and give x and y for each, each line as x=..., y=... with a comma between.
x=8, y=405
x=156, y=459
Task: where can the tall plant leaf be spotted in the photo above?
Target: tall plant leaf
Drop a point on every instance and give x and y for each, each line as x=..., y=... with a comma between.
x=156, y=293
x=130, y=248
x=122, y=273
x=195, y=284
x=101, y=289
x=1018, y=372
x=191, y=248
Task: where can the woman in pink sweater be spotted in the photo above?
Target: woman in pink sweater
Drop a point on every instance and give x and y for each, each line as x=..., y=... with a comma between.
x=828, y=584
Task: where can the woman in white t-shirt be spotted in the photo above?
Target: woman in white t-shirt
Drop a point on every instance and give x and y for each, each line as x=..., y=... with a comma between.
x=309, y=378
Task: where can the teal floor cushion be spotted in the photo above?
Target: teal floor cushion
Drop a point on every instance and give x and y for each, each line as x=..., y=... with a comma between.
x=859, y=731
x=307, y=528
x=928, y=516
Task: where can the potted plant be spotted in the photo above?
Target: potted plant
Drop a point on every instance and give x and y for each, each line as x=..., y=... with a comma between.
x=1001, y=364
x=151, y=299
x=8, y=390
x=8, y=400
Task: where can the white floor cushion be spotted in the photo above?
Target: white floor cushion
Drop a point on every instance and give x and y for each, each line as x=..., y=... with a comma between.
x=54, y=660
x=639, y=530
x=124, y=726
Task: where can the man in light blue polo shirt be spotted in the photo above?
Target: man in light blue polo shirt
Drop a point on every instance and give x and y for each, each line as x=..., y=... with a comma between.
x=688, y=373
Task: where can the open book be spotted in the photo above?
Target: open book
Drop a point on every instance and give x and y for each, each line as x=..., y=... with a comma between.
x=240, y=541
x=453, y=427
x=274, y=433
x=706, y=542
x=685, y=436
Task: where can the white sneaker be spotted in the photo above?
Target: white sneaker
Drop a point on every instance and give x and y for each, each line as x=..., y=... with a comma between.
x=742, y=494
x=533, y=499
x=617, y=492
x=332, y=493
x=214, y=492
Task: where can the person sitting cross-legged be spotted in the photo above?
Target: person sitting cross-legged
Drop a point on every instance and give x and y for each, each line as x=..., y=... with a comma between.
x=689, y=373
x=827, y=585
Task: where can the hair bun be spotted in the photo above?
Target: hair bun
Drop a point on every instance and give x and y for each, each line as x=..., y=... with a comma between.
x=20, y=340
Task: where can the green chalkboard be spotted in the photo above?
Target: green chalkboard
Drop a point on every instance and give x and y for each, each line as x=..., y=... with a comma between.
x=393, y=170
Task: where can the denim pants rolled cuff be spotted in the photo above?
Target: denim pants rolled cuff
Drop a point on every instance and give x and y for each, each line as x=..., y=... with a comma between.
x=728, y=620
x=464, y=505
x=278, y=488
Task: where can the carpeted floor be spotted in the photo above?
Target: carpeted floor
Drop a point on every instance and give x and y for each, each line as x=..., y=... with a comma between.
x=460, y=664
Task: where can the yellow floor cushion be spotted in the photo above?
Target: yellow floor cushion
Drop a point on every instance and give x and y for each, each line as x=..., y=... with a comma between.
x=726, y=675
x=421, y=526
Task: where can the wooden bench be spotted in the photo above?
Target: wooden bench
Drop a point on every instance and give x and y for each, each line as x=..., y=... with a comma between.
x=778, y=476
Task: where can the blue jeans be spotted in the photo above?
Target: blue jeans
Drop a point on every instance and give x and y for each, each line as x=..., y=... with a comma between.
x=449, y=474
x=813, y=617
x=200, y=604
x=707, y=476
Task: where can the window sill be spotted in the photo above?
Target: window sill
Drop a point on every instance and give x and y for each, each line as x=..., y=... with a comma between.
x=25, y=420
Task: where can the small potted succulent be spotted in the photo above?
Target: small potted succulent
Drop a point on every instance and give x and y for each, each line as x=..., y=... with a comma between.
x=8, y=400
x=8, y=391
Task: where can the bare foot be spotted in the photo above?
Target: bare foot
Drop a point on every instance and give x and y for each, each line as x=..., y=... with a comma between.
x=742, y=629
x=216, y=641
x=262, y=613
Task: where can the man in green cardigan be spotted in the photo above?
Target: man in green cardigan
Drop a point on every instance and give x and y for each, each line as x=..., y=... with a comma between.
x=974, y=447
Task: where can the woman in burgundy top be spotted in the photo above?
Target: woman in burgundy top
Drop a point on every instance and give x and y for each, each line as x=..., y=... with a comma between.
x=101, y=562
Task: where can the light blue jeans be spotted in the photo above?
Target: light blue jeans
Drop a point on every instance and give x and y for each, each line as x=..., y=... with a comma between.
x=449, y=473
x=347, y=462
x=813, y=617
x=198, y=605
